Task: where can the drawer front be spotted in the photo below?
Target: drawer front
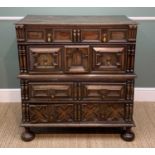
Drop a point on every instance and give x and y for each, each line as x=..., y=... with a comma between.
x=51, y=91
x=107, y=112
x=117, y=35
x=76, y=34
x=55, y=113
x=90, y=35
x=36, y=35
x=77, y=59
x=94, y=91
x=62, y=35
x=109, y=59
x=45, y=59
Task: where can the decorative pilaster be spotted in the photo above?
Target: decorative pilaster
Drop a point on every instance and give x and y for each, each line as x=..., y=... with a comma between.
x=25, y=97
x=20, y=32
x=22, y=59
x=129, y=97
x=130, y=90
x=24, y=90
x=131, y=58
x=132, y=33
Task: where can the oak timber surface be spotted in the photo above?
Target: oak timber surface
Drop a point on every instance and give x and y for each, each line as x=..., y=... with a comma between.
x=79, y=20
x=80, y=82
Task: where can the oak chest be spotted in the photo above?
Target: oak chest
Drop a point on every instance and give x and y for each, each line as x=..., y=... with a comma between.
x=77, y=71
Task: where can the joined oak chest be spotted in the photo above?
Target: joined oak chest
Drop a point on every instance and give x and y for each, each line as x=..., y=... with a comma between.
x=77, y=71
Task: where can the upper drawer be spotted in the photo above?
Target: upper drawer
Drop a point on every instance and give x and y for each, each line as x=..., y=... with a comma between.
x=78, y=34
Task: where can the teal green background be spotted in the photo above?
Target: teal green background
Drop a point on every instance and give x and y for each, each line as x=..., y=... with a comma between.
x=145, y=49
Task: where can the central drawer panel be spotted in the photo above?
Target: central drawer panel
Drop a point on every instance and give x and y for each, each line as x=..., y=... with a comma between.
x=51, y=90
x=77, y=59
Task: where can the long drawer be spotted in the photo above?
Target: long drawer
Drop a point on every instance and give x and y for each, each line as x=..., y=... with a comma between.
x=69, y=113
x=77, y=91
x=74, y=34
x=76, y=59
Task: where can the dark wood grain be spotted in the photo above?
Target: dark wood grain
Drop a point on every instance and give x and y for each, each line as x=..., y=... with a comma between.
x=77, y=71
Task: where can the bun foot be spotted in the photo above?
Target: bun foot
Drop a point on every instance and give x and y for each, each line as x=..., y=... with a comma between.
x=27, y=135
x=128, y=135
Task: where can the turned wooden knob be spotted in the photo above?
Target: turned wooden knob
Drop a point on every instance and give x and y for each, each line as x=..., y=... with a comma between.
x=49, y=37
x=104, y=39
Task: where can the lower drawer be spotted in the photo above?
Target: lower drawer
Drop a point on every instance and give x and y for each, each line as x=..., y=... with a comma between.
x=76, y=112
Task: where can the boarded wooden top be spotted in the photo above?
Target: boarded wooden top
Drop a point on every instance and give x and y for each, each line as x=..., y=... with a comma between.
x=76, y=20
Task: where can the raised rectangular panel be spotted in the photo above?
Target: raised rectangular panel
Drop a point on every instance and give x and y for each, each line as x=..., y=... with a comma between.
x=109, y=59
x=51, y=91
x=90, y=35
x=45, y=59
x=117, y=35
x=77, y=59
x=103, y=91
x=62, y=35
x=36, y=35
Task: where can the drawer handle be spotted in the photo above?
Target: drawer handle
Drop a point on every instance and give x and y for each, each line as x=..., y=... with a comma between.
x=51, y=93
x=52, y=96
x=104, y=37
x=49, y=37
x=103, y=93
